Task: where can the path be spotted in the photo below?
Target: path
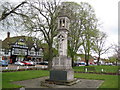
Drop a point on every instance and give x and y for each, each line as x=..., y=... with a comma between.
x=84, y=83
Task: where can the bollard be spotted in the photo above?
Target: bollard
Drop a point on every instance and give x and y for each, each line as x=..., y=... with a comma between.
x=85, y=69
x=45, y=66
x=18, y=67
x=102, y=70
x=35, y=68
x=27, y=67
x=22, y=88
x=42, y=67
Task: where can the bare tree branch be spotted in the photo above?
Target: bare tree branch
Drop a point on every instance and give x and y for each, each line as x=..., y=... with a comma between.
x=5, y=14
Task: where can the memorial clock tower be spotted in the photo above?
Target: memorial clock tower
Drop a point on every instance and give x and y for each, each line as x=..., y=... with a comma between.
x=62, y=71
x=63, y=29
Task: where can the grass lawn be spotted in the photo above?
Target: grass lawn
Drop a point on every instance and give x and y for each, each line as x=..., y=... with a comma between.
x=110, y=81
x=107, y=69
x=18, y=76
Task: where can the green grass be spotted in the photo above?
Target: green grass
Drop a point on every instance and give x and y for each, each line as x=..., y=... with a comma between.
x=110, y=81
x=9, y=77
x=0, y=80
x=107, y=69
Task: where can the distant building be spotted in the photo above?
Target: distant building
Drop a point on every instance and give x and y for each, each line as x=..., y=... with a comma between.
x=81, y=59
x=21, y=48
x=101, y=61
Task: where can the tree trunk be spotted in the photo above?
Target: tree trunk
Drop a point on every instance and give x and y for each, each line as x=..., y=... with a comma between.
x=72, y=61
x=87, y=63
x=116, y=63
x=87, y=60
x=98, y=60
x=50, y=54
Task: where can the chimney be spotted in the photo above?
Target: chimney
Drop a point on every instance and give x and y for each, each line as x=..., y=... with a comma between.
x=8, y=34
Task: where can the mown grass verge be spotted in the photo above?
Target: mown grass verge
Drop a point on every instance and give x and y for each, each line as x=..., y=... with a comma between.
x=110, y=81
x=9, y=77
x=98, y=69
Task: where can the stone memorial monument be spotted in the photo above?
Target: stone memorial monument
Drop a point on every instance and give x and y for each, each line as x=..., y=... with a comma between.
x=62, y=72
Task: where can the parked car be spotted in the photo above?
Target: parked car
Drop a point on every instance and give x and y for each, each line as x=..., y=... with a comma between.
x=109, y=64
x=19, y=63
x=32, y=63
x=76, y=64
x=3, y=63
x=35, y=63
x=43, y=63
x=28, y=63
x=79, y=64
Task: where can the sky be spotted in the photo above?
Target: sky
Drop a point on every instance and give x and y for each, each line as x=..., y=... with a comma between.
x=107, y=14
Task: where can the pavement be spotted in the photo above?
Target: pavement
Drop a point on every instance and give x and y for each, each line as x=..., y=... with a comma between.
x=15, y=67
x=36, y=83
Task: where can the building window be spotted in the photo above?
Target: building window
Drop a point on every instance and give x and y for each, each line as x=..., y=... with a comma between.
x=6, y=52
x=16, y=51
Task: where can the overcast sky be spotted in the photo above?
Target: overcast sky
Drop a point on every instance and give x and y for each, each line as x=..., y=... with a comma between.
x=107, y=13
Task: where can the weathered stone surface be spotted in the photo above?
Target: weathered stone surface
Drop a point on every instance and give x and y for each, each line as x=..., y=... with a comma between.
x=61, y=63
x=61, y=69
x=61, y=75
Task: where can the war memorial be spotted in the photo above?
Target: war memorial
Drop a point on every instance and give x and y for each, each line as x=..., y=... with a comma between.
x=62, y=72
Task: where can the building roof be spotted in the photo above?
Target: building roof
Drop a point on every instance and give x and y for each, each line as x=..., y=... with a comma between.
x=6, y=44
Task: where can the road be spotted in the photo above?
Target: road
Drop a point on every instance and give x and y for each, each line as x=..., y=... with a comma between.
x=15, y=67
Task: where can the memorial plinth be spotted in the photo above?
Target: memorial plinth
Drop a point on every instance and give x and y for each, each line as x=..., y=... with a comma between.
x=61, y=69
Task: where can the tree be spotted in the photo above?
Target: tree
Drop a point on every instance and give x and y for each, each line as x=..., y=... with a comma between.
x=99, y=45
x=41, y=17
x=9, y=20
x=82, y=28
x=113, y=59
x=8, y=11
x=74, y=41
x=116, y=52
x=44, y=46
x=89, y=29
